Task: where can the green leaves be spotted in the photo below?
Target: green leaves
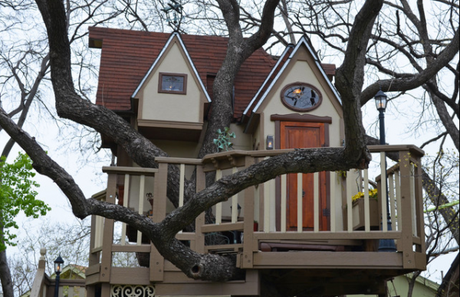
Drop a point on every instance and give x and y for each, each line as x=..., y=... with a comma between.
x=17, y=194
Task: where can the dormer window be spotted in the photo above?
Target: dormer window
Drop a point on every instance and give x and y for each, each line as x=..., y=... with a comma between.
x=173, y=83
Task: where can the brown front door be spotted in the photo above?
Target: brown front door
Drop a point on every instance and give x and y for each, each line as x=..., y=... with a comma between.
x=305, y=135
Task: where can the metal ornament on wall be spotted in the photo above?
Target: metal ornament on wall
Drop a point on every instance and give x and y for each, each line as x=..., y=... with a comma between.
x=132, y=291
x=174, y=14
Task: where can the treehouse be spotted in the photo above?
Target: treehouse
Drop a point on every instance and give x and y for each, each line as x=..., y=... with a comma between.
x=319, y=234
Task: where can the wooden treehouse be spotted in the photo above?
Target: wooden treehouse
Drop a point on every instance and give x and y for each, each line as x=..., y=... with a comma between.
x=304, y=233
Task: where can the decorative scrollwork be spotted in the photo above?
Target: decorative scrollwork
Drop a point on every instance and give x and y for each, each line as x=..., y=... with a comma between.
x=132, y=291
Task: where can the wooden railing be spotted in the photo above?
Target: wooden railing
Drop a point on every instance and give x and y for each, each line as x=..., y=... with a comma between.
x=256, y=204
x=44, y=286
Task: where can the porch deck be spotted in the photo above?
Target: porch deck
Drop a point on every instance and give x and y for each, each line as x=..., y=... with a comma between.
x=341, y=256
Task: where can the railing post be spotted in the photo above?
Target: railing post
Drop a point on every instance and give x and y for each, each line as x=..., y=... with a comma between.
x=418, y=191
x=406, y=214
x=159, y=213
x=248, y=243
x=39, y=280
x=106, y=260
x=200, y=220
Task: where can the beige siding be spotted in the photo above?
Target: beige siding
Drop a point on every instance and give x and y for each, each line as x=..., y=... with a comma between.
x=171, y=107
x=301, y=72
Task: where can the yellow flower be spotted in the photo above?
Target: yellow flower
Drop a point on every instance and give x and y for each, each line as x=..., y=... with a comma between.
x=372, y=194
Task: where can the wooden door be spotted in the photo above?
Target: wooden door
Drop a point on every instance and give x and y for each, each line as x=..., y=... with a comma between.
x=305, y=135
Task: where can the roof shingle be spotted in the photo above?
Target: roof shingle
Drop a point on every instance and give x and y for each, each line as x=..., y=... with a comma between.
x=127, y=56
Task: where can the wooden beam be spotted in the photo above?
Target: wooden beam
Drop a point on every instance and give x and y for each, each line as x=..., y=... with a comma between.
x=176, y=283
x=333, y=260
x=327, y=235
x=129, y=170
x=131, y=276
x=239, y=226
x=144, y=248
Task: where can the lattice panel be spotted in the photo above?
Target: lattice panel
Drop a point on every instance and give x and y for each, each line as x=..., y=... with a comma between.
x=132, y=291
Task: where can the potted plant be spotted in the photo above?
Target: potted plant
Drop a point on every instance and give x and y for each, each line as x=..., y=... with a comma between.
x=358, y=210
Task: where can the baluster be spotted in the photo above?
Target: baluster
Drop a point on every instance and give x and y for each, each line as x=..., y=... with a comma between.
x=332, y=216
x=398, y=200
x=367, y=222
x=218, y=205
x=181, y=184
x=98, y=237
x=283, y=202
x=316, y=202
x=267, y=206
x=141, y=205
x=391, y=197
x=234, y=202
x=299, y=203
x=383, y=190
x=349, y=203
x=125, y=204
x=412, y=199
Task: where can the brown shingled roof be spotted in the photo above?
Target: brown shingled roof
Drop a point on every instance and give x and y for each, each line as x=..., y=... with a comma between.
x=127, y=56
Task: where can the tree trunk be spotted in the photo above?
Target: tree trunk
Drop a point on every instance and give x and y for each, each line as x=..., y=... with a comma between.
x=5, y=274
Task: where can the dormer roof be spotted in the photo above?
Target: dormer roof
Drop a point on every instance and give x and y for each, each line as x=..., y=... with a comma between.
x=326, y=71
x=173, y=36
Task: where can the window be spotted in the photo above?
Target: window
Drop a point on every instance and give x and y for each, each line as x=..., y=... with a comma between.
x=172, y=83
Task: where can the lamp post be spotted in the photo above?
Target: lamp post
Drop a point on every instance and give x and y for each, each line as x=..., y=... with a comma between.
x=58, y=263
x=385, y=245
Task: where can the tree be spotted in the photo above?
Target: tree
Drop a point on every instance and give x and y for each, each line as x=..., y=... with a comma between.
x=24, y=71
x=71, y=241
x=17, y=194
x=349, y=82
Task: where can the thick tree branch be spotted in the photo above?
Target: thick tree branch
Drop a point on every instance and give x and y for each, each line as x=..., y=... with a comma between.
x=405, y=84
x=238, y=50
x=350, y=79
x=45, y=165
x=433, y=88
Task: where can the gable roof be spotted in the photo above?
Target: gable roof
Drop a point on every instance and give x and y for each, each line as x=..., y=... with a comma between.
x=326, y=71
x=128, y=55
x=173, y=36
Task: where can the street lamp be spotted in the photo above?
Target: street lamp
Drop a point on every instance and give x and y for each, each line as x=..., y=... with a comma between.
x=58, y=263
x=385, y=245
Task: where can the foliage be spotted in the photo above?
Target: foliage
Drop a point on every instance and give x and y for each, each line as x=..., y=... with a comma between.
x=222, y=141
x=17, y=194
